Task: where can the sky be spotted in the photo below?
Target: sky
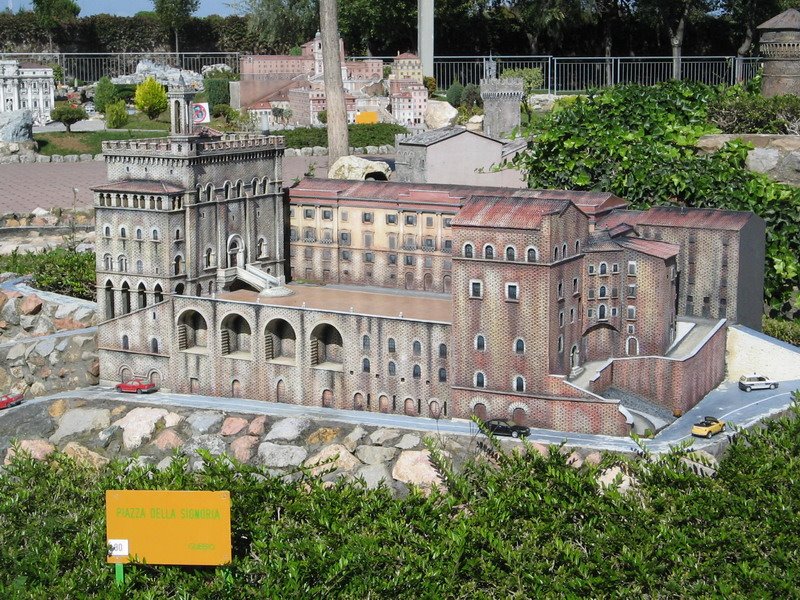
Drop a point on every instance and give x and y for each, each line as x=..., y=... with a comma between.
x=127, y=8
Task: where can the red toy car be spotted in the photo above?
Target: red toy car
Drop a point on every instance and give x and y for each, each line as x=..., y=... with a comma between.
x=10, y=400
x=137, y=386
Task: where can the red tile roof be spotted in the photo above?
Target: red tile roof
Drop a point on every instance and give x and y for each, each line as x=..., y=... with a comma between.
x=595, y=203
x=695, y=218
x=406, y=55
x=652, y=247
x=618, y=217
x=136, y=186
x=519, y=212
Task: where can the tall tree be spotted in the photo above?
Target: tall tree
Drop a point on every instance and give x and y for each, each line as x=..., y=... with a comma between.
x=746, y=15
x=280, y=24
x=174, y=14
x=52, y=13
x=610, y=15
x=537, y=18
x=338, y=135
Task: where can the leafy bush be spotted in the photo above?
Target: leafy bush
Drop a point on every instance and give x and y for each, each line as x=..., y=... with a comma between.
x=68, y=114
x=61, y=270
x=454, y=93
x=430, y=83
x=788, y=331
x=471, y=96
x=532, y=79
x=125, y=91
x=105, y=93
x=117, y=115
x=224, y=111
x=639, y=143
x=378, y=134
x=150, y=98
x=322, y=116
x=217, y=92
x=465, y=114
x=737, y=111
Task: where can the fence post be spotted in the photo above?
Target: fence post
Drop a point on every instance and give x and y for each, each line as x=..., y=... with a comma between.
x=738, y=74
x=555, y=75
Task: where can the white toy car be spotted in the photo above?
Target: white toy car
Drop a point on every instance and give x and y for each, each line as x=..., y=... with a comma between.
x=756, y=382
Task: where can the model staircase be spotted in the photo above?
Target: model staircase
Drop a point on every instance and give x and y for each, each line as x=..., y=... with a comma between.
x=314, y=352
x=259, y=279
x=182, y=345
x=269, y=352
x=226, y=341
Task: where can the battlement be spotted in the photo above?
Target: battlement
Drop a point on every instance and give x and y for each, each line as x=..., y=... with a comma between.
x=194, y=146
x=511, y=88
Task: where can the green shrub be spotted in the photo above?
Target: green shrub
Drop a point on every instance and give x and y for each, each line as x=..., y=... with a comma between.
x=105, y=93
x=379, y=134
x=117, y=115
x=150, y=98
x=782, y=329
x=222, y=110
x=322, y=116
x=465, y=114
x=532, y=79
x=737, y=111
x=68, y=115
x=430, y=83
x=125, y=91
x=454, y=93
x=61, y=270
x=471, y=96
x=217, y=92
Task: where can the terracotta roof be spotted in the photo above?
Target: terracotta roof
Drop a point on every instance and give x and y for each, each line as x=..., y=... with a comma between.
x=695, y=218
x=655, y=248
x=618, y=217
x=594, y=203
x=520, y=212
x=139, y=186
x=406, y=55
x=789, y=19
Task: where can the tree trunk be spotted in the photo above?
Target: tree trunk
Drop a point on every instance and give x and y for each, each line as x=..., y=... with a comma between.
x=748, y=41
x=676, y=39
x=177, y=54
x=338, y=136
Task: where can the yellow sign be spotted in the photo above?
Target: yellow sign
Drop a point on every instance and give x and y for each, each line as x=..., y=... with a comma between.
x=168, y=528
x=367, y=117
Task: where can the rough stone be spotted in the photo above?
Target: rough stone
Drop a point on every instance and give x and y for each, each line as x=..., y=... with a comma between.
x=574, y=460
x=172, y=419
x=165, y=463
x=233, y=425
x=440, y=114
x=164, y=74
x=67, y=324
x=84, y=455
x=343, y=461
x=414, y=468
x=37, y=389
x=280, y=456
x=16, y=126
x=354, y=167
x=374, y=475
x=213, y=443
x=57, y=408
x=408, y=441
x=204, y=421
x=608, y=478
x=28, y=322
x=323, y=435
x=46, y=347
x=257, y=426
x=288, y=429
x=138, y=425
x=80, y=420
x=382, y=437
x=16, y=355
x=373, y=455
x=242, y=448
x=38, y=449
x=168, y=439
x=106, y=435
x=351, y=439
x=475, y=123
x=593, y=458
x=30, y=305
x=763, y=160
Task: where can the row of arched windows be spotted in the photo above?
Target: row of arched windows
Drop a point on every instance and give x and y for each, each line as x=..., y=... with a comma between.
x=126, y=294
x=232, y=190
x=479, y=381
x=510, y=254
x=135, y=201
x=154, y=345
x=416, y=347
x=416, y=370
x=138, y=235
x=480, y=344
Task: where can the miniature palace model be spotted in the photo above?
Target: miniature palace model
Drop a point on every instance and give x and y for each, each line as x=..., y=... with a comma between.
x=546, y=307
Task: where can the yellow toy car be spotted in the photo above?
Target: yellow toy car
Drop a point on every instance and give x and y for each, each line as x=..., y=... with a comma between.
x=707, y=427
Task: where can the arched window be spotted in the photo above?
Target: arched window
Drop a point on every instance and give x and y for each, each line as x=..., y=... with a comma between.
x=139, y=267
x=154, y=346
x=108, y=262
x=125, y=342
x=603, y=268
x=488, y=252
x=209, y=257
x=142, y=296
x=192, y=330
x=442, y=375
x=326, y=345
x=480, y=343
x=123, y=233
x=511, y=253
x=577, y=246
x=442, y=351
x=158, y=294
x=531, y=255
x=416, y=372
x=519, y=346
x=365, y=365
x=392, y=368
x=519, y=384
x=365, y=343
x=555, y=253
x=564, y=250
x=154, y=235
x=480, y=380
x=261, y=247
x=603, y=292
x=107, y=231
x=417, y=348
x=109, y=297
x=235, y=335
x=178, y=264
x=601, y=312
x=468, y=251
x=139, y=233
x=392, y=345
x=280, y=341
x=122, y=263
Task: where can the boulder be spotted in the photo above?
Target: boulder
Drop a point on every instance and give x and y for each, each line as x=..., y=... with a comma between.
x=763, y=160
x=138, y=425
x=30, y=305
x=57, y=408
x=84, y=455
x=206, y=69
x=105, y=436
x=407, y=442
x=214, y=444
x=67, y=324
x=574, y=460
x=16, y=126
x=373, y=455
x=475, y=123
x=165, y=463
x=382, y=437
x=46, y=347
x=37, y=389
x=168, y=440
x=341, y=459
x=172, y=419
x=242, y=448
x=440, y=114
x=414, y=468
x=374, y=475
x=616, y=477
x=351, y=439
x=593, y=458
x=280, y=456
x=38, y=449
x=233, y=425
x=323, y=435
x=80, y=420
x=288, y=429
x=354, y=167
x=204, y=421
x=257, y=426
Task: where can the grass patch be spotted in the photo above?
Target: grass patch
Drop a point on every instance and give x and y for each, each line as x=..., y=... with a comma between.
x=83, y=142
x=140, y=121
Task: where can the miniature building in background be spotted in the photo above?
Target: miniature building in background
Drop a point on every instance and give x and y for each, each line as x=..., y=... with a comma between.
x=440, y=300
x=780, y=48
x=501, y=104
x=27, y=87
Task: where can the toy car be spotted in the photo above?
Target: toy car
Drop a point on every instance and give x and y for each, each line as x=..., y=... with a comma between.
x=137, y=386
x=707, y=427
x=503, y=427
x=756, y=382
x=10, y=400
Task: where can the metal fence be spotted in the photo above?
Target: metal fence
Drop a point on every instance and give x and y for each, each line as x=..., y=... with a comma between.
x=559, y=75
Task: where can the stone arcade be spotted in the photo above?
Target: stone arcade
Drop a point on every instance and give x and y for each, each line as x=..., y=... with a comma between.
x=436, y=300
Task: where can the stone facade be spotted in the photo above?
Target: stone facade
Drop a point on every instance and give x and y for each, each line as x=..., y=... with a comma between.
x=502, y=99
x=780, y=48
x=27, y=88
x=528, y=285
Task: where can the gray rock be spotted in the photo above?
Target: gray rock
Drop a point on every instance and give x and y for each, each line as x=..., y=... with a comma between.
x=139, y=424
x=205, y=421
x=85, y=157
x=9, y=312
x=214, y=444
x=351, y=439
x=374, y=475
x=407, y=442
x=46, y=347
x=71, y=158
x=440, y=114
x=763, y=160
x=319, y=151
x=139, y=461
x=280, y=456
x=16, y=126
x=288, y=429
x=371, y=149
x=42, y=158
x=215, y=67
x=80, y=420
x=354, y=167
x=373, y=455
x=16, y=356
x=381, y=437
x=28, y=322
x=164, y=74
x=165, y=463
x=107, y=434
x=57, y=158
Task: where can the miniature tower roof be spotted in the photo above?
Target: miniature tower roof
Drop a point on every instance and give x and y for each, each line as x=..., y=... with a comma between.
x=787, y=20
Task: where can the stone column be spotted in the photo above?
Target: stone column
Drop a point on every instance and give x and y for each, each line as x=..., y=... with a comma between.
x=425, y=35
x=780, y=47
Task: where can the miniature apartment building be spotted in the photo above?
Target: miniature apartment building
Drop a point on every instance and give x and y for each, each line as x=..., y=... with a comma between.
x=435, y=300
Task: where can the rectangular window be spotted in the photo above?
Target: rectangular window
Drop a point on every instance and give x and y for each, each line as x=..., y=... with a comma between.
x=308, y=252
x=344, y=215
x=590, y=313
x=408, y=260
x=391, y=218
x=326, y=255
x=448, y=265
x=393, y=259
x=345, y=255
x=367, y=240
x=475, y=289
x=429, y=244
x=448, y=222
x=631, y=329
x=632, y=267
x=632, y=291
x=344, y=237
x=428, y=221
x=560, y=289
x=561, y=343
x=571, y=315
x=411, y=219
x=447, y=245
x=615, y=268
x=591, y=269
x=308, y=213
x=327, y=214
x=574, y=285
x=366, y=217
x=369, y=257
x=512, y=291
x=614, y=311
x=631, y=312
x=428, y=262
x=291, y=213
x=561, y=318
